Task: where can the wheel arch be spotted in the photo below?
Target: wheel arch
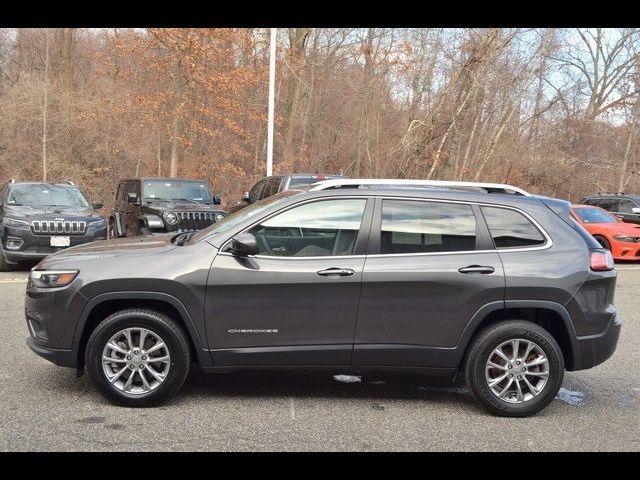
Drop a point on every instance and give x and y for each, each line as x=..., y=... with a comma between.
x=101, y=306
x=549, y=315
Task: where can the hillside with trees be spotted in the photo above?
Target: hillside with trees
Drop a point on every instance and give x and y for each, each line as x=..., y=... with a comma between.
x=554, y=111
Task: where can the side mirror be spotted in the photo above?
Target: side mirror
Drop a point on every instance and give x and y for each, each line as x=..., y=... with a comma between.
x=245, y=197
x=243, y=245
x=132, y=197
x=97, y=206
x=635, y=210
x=217, y=200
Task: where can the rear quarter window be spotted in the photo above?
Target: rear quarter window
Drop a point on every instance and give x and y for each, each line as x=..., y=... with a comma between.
x=511, y=229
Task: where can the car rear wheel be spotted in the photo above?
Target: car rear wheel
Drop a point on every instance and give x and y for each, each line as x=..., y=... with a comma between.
x=138, y=358
x=603, y=242
x=514, y=368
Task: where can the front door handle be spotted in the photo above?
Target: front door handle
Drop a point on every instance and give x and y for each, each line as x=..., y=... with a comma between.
x=477, y=269
x=336, y=272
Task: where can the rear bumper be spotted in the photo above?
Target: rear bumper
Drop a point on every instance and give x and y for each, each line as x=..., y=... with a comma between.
x=592, y=350
x=62, y=358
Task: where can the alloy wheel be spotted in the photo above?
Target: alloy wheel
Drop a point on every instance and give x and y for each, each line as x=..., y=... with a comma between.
x=136, y=361
x=517, y=370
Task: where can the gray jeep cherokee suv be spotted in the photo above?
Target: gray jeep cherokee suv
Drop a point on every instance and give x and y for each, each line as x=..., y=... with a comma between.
x=506, y=290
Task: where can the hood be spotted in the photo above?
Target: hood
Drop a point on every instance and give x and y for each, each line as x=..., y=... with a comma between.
x=50, y=213
x=117, y=247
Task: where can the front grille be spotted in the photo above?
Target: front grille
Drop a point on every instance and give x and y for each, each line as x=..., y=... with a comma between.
x=195, y=220
x=58, y=227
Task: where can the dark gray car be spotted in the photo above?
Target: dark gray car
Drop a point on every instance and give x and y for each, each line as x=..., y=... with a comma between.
x=506, y=290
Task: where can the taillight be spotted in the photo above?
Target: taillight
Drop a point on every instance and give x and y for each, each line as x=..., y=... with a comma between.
x=602, y=261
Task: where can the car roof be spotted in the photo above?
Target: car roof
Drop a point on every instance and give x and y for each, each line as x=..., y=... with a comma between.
x=162, y=179
x=303, y=175
x=635, y=196
x=430, y=193
x=58, y=184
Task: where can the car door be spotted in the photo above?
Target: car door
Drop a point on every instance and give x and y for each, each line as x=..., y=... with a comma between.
x=431, y=268
x=130, y=211
x=296, y=302
x=625, y=211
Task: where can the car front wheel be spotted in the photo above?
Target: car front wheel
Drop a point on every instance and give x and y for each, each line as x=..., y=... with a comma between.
x=514, y=368
x=138, y=358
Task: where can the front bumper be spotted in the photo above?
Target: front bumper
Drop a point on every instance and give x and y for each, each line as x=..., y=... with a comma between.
x=62, y=358
x=592, y=350
x=36, y=247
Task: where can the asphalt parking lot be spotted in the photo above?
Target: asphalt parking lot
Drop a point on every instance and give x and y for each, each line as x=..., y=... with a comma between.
x=44, y=407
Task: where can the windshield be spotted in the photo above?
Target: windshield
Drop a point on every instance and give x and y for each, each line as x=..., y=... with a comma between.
x=46, y=195
x=176, y=190
x=594, y=215
x=240, y=216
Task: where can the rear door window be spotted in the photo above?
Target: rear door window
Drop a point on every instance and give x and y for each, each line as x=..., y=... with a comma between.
x=511, y=229
x=413, y=226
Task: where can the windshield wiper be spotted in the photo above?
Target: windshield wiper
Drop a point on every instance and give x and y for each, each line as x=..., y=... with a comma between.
x=153, y=199
x=188, y=200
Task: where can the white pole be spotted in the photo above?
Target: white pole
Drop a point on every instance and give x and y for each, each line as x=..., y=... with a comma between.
x=272, y=94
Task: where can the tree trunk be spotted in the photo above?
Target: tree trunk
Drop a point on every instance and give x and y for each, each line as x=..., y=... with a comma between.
x=176, y=124
x=622, y=181
x=298, y=40
x=45, y=109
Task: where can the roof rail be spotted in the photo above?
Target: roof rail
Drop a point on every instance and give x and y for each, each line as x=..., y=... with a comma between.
x=358, y=182
x=68, y=182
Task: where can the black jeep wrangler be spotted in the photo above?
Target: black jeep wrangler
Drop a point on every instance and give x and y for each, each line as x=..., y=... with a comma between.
x=146, y=206
x=37, y=219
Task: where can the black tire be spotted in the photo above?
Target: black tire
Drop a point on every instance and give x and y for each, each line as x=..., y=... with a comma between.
x=172, y=335
x=490, y=338
x=603, y=242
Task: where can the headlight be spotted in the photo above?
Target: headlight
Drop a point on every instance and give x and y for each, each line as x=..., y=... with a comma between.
x=14, y=222
x=625, y=238
x=98, y=223
x=171, y=218
x=52, y=278
x=220, y=216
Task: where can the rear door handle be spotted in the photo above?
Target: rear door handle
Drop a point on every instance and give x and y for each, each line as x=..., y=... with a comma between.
x=477, y=269
x=336, y=272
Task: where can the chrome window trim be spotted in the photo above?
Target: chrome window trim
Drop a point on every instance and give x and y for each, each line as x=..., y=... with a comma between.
x=548, y=240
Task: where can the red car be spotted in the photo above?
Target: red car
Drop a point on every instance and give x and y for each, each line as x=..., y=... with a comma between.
x=622, y=239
